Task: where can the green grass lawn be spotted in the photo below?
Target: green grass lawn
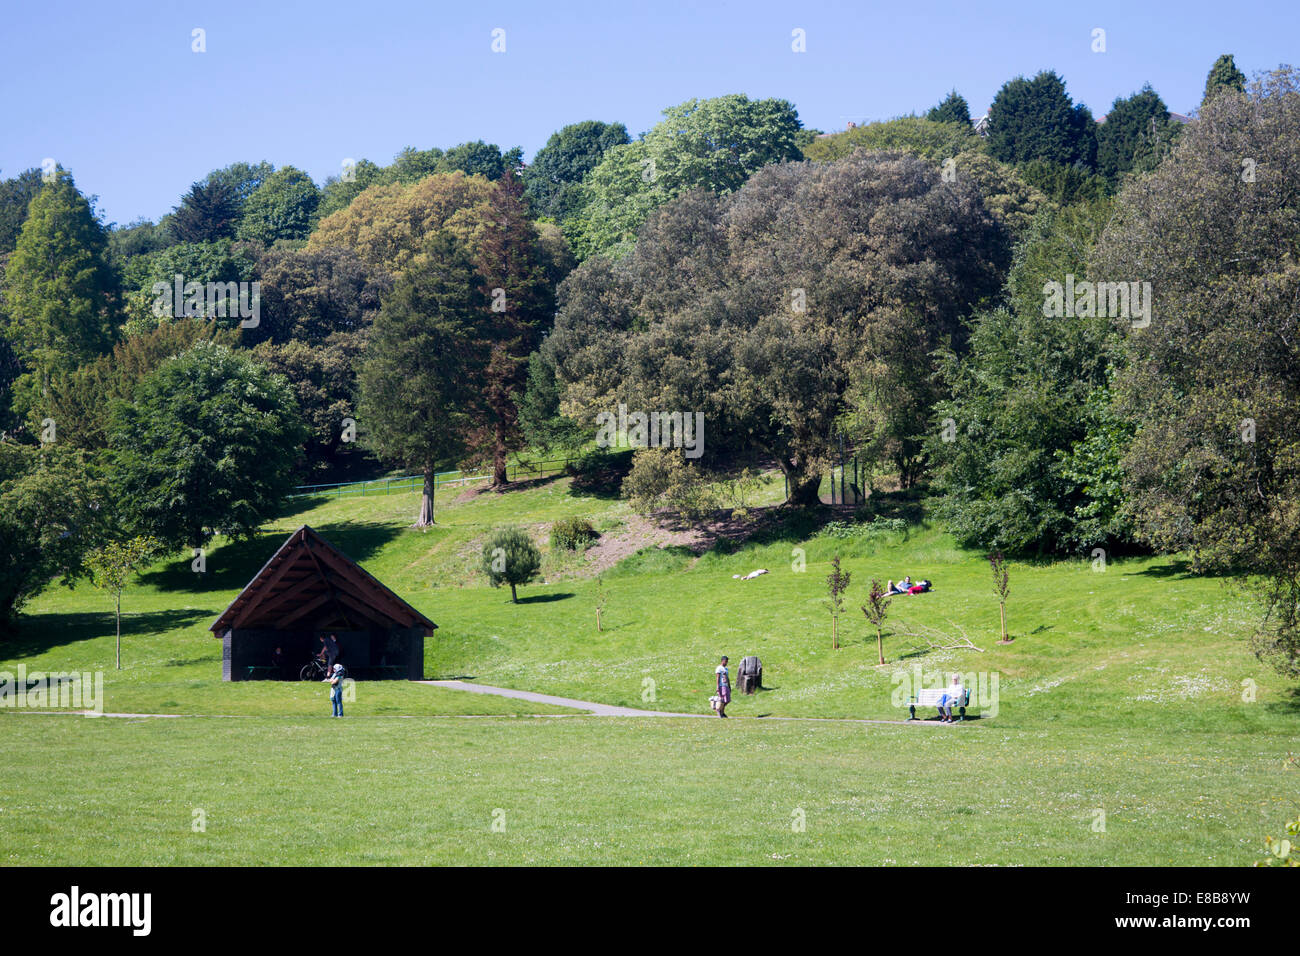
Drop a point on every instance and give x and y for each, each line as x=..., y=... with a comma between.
x=628, y=791
x=1130, y=690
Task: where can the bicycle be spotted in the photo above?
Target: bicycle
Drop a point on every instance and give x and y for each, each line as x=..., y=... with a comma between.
x=314, y=669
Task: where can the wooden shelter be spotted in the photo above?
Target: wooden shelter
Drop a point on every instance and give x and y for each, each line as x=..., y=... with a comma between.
x=309, y=589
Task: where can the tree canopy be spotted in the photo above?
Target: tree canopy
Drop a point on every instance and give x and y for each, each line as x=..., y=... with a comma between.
x=208, y=444
x=713, y=144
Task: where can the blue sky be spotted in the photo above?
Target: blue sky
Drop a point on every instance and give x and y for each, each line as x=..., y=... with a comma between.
x=113, y=92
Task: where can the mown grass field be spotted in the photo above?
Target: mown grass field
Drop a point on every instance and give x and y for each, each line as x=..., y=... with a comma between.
x=1129, y=690
x=628, y=791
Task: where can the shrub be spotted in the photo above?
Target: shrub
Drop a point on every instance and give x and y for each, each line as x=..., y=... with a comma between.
x=664, y=479
x=572, y=534
x=877, y=528
x=510, y=557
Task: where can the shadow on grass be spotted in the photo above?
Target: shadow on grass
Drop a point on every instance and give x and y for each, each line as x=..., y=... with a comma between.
x=1180, y=568
x=545, y=598
x=908, y=505
x=1288, y=705
x=601, y=476
x=40, y=633
x=234, y=563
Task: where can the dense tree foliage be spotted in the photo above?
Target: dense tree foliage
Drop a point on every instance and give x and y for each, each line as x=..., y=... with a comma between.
x=416, y=385
x=953, y=108
x=16, y=195
x=759, y=308
x=1036, y=119
x=545, y=427
x=1020, y=448
x=51, y=513
x=80, y=401
x=713, y=144
x=282, y=207
x=145, y=303
x=1136, y=133
x=59, y=290
x=553, y=176
x=208, y=445
x=208, y=212
x=389, y=226
x=1213, y=383
x=925, y=137
x=519, y=299
x=1223, y=77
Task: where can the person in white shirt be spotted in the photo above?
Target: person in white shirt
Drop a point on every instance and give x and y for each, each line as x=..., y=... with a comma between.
x=724, y=687
x=953, y=694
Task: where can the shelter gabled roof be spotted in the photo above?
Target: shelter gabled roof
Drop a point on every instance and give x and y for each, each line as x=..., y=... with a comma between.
x=308, y=583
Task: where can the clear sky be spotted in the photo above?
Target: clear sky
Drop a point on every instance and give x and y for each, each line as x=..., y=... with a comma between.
x=112, y=90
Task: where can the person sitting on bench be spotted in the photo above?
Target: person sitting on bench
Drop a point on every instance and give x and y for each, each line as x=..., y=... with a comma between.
x=952, y=695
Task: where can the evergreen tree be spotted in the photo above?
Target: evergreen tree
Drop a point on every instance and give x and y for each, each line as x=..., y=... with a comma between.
x=1223, y=76
x=518, y=305
x=1036, y=119
x=510, y=557
x=545, y=428
x=953, y=108
x=416, y=385
x=58, y=286
x=1027, y=452
x=209, y=211
x=15, y=196
x=1135, y=134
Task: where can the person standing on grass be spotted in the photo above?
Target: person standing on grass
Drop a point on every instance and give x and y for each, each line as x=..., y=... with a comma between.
x=336, y=690
x=724, y=687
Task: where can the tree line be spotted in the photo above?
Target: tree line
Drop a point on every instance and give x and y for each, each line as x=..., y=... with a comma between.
x=880, y=288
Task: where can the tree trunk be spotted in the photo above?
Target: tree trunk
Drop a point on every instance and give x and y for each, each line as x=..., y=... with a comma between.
x=426, y=499
x=119, y=630
x=803, y=489
x=1002, y=610
x=880, y=645
x=499, y=478
x=514, y=598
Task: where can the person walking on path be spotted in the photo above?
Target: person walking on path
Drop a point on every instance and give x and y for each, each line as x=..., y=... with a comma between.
x=336, y=690
x=724, y=687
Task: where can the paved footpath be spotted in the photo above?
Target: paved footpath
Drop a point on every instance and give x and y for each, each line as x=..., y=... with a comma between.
x=600, y=710
x=594, y=709
x=609, y=710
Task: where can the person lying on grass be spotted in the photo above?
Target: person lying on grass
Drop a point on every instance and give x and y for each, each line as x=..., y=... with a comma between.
x=906, y=586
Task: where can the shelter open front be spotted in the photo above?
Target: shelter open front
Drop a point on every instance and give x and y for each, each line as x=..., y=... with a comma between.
x=308, y=590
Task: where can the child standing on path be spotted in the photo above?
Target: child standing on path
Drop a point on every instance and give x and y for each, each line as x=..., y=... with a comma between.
x=724, y=687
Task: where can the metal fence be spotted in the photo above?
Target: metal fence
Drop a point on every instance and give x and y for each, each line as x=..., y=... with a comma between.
x=515, y=471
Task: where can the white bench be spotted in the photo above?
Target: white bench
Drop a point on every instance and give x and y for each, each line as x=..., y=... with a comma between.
x=930, y=697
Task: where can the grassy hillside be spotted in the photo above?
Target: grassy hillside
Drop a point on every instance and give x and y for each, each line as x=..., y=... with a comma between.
x=1141, y=643
x=1129, y=690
